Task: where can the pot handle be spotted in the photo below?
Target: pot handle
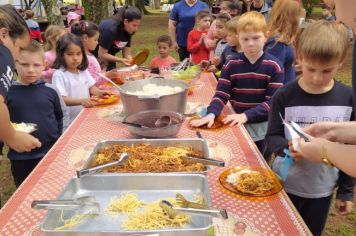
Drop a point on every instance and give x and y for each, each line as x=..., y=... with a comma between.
x=144, y=97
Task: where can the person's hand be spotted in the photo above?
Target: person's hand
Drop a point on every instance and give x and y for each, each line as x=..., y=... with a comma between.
x=212, y=68
x=175, y=46
x=23, y=142
x=88, y=103
x=321, y=130
x=343, y=207
x=202, y=37
x=103, y=93
x=235, y=119
x=208, y=119
x=216, y=61
x=310, y=151
x=125, y=61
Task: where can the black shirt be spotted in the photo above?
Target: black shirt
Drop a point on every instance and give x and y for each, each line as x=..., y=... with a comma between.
x=113, y=37
x=7, y=66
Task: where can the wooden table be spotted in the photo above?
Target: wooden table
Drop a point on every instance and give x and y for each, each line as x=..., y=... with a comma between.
x=273, y=216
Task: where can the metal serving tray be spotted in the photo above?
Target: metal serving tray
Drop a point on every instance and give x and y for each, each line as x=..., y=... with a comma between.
x=148, y=187
x=195, y=143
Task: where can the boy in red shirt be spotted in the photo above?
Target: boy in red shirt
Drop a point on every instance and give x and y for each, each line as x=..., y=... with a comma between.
x=163, y=60
x=196, y=37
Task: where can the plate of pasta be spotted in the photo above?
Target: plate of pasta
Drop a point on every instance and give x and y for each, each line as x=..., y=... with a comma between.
x=251, y=181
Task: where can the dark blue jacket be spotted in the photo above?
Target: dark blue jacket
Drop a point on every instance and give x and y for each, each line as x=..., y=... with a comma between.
x=285, y=54
x=39, y=104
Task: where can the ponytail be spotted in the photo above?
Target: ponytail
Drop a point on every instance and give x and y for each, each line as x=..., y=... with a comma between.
x=84, y=27
x=127, y=12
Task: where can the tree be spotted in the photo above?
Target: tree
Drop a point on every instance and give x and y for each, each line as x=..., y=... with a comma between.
x=53, y=13
x=308, y=5
x=141, y=6
x=156, y=4
x=96, y=10
x=28, y=4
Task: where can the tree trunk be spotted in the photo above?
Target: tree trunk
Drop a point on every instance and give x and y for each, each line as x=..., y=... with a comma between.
x=141, y=6
x=156, y=4
x=97, y=10
x=53, y=13
x=129, y=2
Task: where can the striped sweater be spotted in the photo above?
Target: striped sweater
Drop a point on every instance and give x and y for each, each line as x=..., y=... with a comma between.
x=248, y=87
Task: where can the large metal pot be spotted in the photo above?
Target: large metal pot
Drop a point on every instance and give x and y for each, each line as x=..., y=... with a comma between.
x=148, y=118
x=135, y=103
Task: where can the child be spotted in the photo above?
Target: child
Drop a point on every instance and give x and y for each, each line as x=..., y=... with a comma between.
x=196, y=37
x=72, y=18
x=52, y=34
x=315, y=97
x=72, y=78
x=164, y=60
x=35, y=32
x=248, y=81
x=221, y=44
x=327, y=15
x=231, y=50
x=283, y=27
x=89, y=34
x=30, y=100
x=229, y=7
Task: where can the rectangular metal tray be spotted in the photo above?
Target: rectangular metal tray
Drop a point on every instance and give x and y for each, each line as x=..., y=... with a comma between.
x=195, y=143
x=148, y=187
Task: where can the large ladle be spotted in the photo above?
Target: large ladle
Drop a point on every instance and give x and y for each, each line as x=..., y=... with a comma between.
x=163, y=121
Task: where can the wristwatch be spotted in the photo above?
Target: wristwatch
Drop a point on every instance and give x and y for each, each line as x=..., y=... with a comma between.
x=324, y=156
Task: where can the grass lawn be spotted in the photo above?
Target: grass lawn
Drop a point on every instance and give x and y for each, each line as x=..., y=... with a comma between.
x=153, y=26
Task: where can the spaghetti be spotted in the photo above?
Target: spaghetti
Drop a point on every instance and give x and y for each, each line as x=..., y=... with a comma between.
x=250, y=182
x=74, y=220
x=126, y=204
x=147, y=158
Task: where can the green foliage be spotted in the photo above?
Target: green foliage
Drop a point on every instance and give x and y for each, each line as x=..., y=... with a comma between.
x=309, y=5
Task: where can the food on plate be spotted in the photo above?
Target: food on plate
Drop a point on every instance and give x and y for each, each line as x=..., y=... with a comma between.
x=187, y=74
x=119, y=76
x=153, y=89
x=250, y=182
x=147, y=216
x=24, y=127
x=106, y=99
x=147, y=158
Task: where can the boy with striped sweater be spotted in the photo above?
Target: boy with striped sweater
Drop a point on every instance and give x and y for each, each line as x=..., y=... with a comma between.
x=247, y=82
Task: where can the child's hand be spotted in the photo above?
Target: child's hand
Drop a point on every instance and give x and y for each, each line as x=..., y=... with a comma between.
x=235, y=119
x=293, y=153
x=343, y=207
x=202, y=37
x=212, y=68
x=88, y=103
x=208, y=119
x=216, y=61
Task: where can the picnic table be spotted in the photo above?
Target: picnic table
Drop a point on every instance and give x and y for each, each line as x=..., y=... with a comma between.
x=271, y=216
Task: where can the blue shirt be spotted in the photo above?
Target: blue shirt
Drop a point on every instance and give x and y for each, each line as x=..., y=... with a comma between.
x=285, y=54
x=184, y=15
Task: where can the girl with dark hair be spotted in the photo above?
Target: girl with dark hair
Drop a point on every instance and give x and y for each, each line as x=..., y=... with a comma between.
x=89, y=34
x=14, y=35
x=72, y=78
x=115, y=36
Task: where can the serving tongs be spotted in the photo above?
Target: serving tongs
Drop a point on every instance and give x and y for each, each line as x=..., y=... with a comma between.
x=122, y=160
x=295, y=130
x=173, y=211
x=205, y=161
x=86, y=204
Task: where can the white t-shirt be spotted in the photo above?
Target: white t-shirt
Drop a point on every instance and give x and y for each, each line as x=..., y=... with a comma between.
x=73, y=86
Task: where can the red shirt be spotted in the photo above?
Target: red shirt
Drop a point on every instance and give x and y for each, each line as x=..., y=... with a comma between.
x=197, y=49
x=158, y=62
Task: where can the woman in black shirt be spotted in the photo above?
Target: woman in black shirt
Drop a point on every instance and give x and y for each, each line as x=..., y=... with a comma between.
x=14, y=35
x=115, y=36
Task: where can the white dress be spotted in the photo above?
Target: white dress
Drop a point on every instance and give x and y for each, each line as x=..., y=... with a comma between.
x=73, y=85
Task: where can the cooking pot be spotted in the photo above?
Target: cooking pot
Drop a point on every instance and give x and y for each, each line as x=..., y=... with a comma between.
x=136, y=103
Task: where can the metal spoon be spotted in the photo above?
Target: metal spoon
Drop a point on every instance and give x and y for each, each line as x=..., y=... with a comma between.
x=134, y=124
x=110, y=81
x=163, y=121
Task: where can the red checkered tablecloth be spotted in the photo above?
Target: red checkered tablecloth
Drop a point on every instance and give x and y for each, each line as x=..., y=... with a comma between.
x=272, y=216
